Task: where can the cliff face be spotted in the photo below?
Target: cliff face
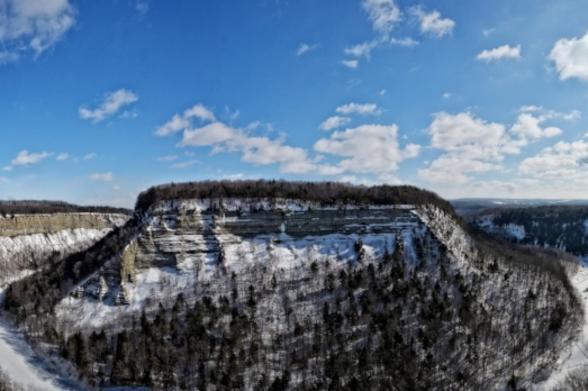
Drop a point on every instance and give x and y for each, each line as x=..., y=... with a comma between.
x=30, y=241
x=283, y=282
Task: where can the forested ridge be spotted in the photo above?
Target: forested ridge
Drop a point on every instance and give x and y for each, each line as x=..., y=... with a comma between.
x=48, y=207
x=414, y=318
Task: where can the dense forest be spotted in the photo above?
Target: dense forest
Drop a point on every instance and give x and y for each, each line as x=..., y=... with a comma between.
x=561, y=227
x=47, y=207
x=326, y=193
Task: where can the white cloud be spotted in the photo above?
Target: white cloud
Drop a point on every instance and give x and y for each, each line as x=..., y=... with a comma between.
x=62, y=156
x=383, y=14
x=334, y=122
x=470, y=145
x=254, y=149
x=528, y=126
x=304, y=48
x=366, y=149
x=447, y=95
x=352, y=64
x=180, y=122
x=113, y=102
x=361, y=50
x=432, y=23
x=571, y=58
x=359, y=109
x=25, y=158
x=500, y=53
x=183, y=165
x=90, y=156
x=32, y=26
x=566, y=161
x=102, y=177
x=168, y=158
x=372, y=149
x=406, y=42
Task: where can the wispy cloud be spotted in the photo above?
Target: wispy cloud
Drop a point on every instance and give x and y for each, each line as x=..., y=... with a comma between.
x=28, y=26
x=334, y=122
x=113, y=102
x=305, y=48
x=359, y=109
x=26, y=158
x=182, y=121
x=62, y=156
x=102, y=177
x=352, y=64
x=500, y=53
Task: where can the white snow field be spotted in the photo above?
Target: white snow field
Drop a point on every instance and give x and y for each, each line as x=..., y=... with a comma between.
x=22, y=365
x=576, y=355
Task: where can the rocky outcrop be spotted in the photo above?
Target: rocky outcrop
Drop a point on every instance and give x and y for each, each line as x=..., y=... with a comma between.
x=28, y=242
x=30, y=224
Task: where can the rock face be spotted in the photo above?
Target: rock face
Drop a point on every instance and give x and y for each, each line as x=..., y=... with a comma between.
x=30, y=241
x=462, y=316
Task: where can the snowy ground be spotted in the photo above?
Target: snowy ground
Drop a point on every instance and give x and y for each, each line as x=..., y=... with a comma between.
x=22, y=365
x=575, y=356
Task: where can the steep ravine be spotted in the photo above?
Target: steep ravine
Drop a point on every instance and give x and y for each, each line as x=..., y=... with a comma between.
x=29, y=242
x=287, y=293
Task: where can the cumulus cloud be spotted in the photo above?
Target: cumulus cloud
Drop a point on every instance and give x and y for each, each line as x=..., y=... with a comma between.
x=500, y=53
x=433, y=23
x=26, y=158
x=359, y=109
x=334, y=122
x=367, y=149
x=570, y=56
x=183, y=121
x=32, y=26
x=113, y=102
x=383, y=14
x=372, y=149
x=564, y=160
x=469, y=145
x=304, y=48
x=528, y=126
x=102, y=177
x=62, y=156
x=90, y=156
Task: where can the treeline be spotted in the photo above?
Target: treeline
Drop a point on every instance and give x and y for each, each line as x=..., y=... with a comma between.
x=327, y=193
x=47, y=207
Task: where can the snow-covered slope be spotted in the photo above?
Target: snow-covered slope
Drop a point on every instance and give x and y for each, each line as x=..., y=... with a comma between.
x=28, y=242
x=254, y=292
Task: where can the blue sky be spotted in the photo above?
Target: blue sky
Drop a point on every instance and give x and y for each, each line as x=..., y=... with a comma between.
x=99, y=100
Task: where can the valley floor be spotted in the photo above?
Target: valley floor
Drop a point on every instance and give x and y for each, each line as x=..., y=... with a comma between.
x=576, y=355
